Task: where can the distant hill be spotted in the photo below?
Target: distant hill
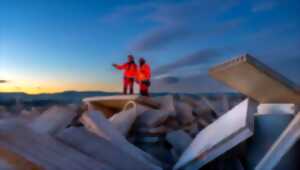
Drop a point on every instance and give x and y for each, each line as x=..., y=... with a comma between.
x=63, y=97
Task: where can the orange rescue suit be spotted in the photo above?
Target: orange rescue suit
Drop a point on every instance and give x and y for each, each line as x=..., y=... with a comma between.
x=130, y=69
x=144, y=73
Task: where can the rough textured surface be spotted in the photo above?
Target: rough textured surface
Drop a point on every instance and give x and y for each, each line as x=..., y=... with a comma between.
x=236, y=125
x=256, y=80
x=100, y=149
x=98, y=124
x=179, y=140
x=53, y=120
x=43, y=150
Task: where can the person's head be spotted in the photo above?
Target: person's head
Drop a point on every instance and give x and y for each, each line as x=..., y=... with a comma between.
x=142, y=61
x=130, y=58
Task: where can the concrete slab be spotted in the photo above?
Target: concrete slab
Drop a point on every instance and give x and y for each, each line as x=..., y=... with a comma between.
x=53, y=120
x=100, y=149
x=43, y=150
x=282, y=145
x=256, y=80
x=96, y=123
x=226, y=132
x=110, y=105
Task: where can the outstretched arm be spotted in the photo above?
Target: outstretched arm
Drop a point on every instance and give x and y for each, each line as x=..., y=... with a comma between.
x=120, y=67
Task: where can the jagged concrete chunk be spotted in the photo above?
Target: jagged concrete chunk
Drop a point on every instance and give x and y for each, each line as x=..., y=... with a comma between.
x=184, y=113
x=256, y=80
x=167, y=104
x=53, y=120
x=282, y=145
x=100, y=149
x=179, y=140
x=110, y=105
x=152, y=118
x=226, y=132
x=96, y=123
x=43, y=150
x=124, y=119
x=12, y=161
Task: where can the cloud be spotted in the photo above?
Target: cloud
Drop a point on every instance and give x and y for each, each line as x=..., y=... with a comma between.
x=173, y=21
x=264, y=6
x=199, y=57
x=198, y=83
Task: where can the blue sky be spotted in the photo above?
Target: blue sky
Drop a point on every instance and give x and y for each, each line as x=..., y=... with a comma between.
x=56, y=45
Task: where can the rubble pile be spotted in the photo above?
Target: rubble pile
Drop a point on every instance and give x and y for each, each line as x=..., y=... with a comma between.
x=259, y=131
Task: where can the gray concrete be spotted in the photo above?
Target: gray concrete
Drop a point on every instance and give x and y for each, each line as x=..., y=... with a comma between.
x=53, y=120
x=282, y=145
x=43, y=150
x=100, y=149
x=229, y=130
x=96, y=123
x=179, y=140
x=184, y=113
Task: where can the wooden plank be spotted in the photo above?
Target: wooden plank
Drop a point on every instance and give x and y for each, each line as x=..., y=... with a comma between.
x=256, y=80
x=223, y=134
x=44, y=150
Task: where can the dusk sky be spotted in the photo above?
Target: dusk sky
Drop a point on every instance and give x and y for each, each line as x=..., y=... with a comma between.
x=57, y=45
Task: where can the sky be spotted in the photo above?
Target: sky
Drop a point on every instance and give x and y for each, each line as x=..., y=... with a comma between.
x=49, y=46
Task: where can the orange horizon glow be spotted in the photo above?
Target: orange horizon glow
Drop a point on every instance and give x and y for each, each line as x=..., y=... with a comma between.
x=31, y=88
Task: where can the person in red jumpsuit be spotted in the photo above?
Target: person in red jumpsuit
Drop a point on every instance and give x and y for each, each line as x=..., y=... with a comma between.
x=129, y=74
x=143, y=77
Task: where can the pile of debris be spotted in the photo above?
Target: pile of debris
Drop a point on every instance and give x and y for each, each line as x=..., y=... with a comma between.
x=132, y=132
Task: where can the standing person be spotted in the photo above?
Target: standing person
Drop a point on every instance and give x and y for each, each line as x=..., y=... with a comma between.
x=143, y=77
x=129, y=73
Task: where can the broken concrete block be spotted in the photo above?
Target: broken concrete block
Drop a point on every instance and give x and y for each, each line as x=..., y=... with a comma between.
x=53, y=120
x=43, y=150
x=96, y=123
x=124, y=119
x=226, y=132
x=282, y=145
x=267, y=128
x=100, y=149
x=219, y=106
x=167, y=104
x=261, y=83
x=110, y=105
x=12, y=161
x=276, y=109
x=152, y=118
x=160, y=130
x=184, y=113
x=179, y=140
